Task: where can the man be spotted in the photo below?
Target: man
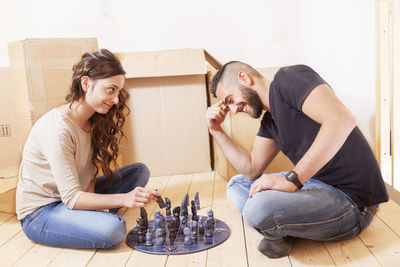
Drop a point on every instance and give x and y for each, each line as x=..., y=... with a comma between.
x=335, y=185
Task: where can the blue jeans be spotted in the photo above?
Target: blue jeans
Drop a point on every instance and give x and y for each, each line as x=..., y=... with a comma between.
x=318, y=211
x=56, y=225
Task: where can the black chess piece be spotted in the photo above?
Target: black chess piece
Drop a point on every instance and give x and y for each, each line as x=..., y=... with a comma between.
x=168, y=206
x=141, y=230
x=200, y=225
x=143, y=215
x=133, y=237
x=194, y=211
x=160, y=202
x=187, y=240
x=197, y=200
x=176, y=212
x=172, y=229
x=184, y=205
x=149, y=239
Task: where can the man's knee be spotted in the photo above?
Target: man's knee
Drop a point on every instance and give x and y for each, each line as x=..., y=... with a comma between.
x=259, y=210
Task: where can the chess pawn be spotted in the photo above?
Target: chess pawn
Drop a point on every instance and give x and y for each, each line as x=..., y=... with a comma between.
x=200, y=225
x=156, y=214
x=149, y=238
x=187, y=239
x=157, y=222
x=160, y=240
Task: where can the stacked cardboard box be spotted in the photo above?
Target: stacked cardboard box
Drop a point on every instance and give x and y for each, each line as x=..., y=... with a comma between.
x=166, y=129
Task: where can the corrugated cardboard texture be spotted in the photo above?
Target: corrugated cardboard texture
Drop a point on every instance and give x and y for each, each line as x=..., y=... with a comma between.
x=10, y=149
x=41, y=74
x=243, y=129
x=164, y=63
x=166, y=129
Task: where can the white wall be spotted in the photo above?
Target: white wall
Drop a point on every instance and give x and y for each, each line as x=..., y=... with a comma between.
x=335, y=37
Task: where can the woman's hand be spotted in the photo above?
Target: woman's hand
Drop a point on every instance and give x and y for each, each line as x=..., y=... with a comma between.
x=139, y=197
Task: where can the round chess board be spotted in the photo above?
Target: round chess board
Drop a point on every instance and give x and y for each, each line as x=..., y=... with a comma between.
x=221, y=233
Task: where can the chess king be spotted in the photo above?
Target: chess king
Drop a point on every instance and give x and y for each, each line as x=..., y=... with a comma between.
x=335, y=185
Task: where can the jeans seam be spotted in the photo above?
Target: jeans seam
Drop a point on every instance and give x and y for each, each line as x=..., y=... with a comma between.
x=284, y=226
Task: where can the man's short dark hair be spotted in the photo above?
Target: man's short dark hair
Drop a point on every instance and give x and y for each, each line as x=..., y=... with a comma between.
x=217, y=78
x=220, y=75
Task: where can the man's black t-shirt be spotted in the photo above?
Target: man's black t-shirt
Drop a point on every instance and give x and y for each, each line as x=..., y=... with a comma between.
x=353, y=169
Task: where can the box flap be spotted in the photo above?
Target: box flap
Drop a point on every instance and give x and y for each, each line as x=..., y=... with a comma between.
x=165, y=63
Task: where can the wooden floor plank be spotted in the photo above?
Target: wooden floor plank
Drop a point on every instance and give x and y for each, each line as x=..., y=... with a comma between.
x=9, y=228
x=120, y=255
x=309, y=253
x=232, y=252
x=204, y=184
x=5, y=216
x=14, y=249
x=39, y=255
x=351, y=252
x=389, y=213
x=383, y=243
x=255, y=257
x=72, y=257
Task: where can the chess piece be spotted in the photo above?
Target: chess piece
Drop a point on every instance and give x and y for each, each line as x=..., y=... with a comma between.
x=157, y=220
x=133, y=237
x=172, y=229
x=184, y=205
x=162, y=223
x=160, y=240
x=140, y=230
x=168, y=206
x=187, y=240
x=209, y=227
x=197, y=201
x=160, y=201
x=194, y=211
x=143, y=215
x=183, y=221
x=193, y=234
x=176, y=212
x=200, y=225
x=149, y=239
x=210, y=214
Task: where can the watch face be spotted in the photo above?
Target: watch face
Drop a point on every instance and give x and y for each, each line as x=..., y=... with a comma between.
x=291, y=175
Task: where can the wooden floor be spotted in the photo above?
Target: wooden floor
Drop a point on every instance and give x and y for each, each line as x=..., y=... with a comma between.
x=379, y=245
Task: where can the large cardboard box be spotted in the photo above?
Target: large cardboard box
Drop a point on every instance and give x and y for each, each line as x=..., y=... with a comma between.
x=166, y=129
x=10, y=148
x=41, y=71
x=243, y=129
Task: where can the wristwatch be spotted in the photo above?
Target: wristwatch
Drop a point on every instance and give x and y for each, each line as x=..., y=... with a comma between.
x=292, y=177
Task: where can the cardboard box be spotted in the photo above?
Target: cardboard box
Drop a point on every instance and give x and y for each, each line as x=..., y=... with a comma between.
x=10, y=148
x=243, y=129
x=167, y=129
x=41, y=71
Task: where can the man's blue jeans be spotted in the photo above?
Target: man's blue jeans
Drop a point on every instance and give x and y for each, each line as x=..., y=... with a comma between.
x=56, y=225
x=317, y=211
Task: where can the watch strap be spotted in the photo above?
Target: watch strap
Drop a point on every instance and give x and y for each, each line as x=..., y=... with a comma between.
x=292, y=177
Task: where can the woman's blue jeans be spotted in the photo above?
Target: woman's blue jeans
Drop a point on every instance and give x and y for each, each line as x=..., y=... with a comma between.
x=317, y=211
x=56, y=225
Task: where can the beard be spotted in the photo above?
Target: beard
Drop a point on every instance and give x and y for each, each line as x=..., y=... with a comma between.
x=252, y=100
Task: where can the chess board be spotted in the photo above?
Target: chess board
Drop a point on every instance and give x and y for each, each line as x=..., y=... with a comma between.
x=221, y=233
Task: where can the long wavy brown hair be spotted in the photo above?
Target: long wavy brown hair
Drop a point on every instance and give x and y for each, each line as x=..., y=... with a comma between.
x=106, y=129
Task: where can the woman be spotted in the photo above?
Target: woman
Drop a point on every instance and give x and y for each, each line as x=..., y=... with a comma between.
x=59, y=201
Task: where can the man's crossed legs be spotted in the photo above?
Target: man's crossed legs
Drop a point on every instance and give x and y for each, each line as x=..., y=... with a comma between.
x=318, y=211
